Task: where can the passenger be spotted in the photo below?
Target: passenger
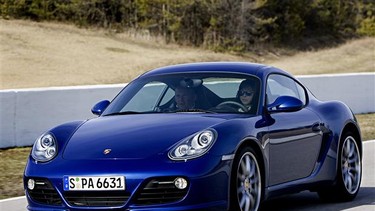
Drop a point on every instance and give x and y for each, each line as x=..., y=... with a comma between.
x=245, y=95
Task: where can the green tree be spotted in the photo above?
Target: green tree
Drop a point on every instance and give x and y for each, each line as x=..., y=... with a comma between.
x=367, y=19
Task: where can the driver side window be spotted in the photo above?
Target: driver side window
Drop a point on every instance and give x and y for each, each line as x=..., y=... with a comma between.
x=280, y=85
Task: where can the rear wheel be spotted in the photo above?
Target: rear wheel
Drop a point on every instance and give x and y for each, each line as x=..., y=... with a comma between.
x=349, y=172
x=246, y=181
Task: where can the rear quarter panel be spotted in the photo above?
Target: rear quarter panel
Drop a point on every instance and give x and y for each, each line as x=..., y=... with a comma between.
x=337, y=117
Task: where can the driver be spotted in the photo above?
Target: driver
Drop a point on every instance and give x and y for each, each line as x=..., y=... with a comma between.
x=185, y=98
x=245, y=95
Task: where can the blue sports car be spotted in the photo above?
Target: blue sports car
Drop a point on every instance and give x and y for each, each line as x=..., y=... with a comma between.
x=202, y=136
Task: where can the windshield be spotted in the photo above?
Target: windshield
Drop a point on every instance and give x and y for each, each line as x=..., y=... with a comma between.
x=171, y=93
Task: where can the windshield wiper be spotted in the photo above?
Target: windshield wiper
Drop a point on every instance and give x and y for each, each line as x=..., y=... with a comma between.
x=194, y=110
x=123, y=113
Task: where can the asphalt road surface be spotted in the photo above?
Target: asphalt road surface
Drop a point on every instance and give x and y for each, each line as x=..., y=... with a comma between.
x=365, y=200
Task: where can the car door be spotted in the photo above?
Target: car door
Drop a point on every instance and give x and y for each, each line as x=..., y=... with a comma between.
x=294, y=138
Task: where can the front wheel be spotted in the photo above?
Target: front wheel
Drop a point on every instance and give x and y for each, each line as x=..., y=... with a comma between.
x=246, y=181
x=349, y=172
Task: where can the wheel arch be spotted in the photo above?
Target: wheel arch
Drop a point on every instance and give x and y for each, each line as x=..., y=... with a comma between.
x=340, y=119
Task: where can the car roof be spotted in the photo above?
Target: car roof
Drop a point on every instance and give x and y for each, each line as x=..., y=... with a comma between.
x=225, y=67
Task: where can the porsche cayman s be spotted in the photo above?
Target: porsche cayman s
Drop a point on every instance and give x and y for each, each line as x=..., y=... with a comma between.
x=201, y=136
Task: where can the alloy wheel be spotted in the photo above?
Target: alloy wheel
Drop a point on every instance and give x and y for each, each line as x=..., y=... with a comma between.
x=248, y=183
x=350, y=165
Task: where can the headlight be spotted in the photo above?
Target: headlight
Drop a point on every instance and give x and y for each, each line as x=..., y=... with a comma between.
x=45, y=148
x=193, y=146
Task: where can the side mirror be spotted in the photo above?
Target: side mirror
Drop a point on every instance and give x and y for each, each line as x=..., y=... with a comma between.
x=285, y=104
x=100, y=107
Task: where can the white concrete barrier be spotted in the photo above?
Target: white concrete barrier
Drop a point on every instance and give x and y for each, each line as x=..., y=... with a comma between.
x=357, y=90
x=27, y=113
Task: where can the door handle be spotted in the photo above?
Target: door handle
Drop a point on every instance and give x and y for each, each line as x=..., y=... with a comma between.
x=316, y=127
x=320, y=127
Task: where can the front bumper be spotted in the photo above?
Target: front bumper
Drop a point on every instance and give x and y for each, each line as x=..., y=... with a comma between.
x=149, y=185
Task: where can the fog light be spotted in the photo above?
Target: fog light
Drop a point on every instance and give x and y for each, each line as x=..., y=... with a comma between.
x=31, y=184
x=180, y=183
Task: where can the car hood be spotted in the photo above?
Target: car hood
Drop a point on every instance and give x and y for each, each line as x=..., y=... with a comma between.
x=134, y=136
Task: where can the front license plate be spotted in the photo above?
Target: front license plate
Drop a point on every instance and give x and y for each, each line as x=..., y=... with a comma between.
x=78, y=183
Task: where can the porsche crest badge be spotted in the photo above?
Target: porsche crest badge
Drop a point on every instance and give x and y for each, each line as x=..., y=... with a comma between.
x=107, y=151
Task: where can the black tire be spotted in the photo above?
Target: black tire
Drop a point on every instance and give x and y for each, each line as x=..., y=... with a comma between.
x=349, y=172
x=246, y=181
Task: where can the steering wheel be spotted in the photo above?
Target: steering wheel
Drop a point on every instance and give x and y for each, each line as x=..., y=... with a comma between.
x=233, y=103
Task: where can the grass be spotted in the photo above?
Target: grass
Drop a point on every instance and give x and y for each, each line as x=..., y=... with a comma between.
x=12, y=164
x=51, y=54
x=354, y=56
x=367, y=124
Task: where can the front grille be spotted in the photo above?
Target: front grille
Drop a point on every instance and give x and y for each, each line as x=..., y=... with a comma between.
x=159, y=191
x=44, y=193
x=96, y=198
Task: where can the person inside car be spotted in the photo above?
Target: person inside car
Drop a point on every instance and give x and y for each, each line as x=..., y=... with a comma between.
x=185, y=98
